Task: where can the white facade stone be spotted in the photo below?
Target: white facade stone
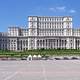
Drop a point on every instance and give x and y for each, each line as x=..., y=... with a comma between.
x=42, y=32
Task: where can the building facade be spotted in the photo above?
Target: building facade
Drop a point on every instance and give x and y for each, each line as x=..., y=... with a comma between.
x=42, y=32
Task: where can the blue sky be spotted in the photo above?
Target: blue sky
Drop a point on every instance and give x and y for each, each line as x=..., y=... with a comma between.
x=15, y=12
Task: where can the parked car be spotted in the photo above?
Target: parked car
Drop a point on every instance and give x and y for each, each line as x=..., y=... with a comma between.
x=74, y=58
x=4, y=58
x=57, y=58
x=65, y=58
x=23, y=58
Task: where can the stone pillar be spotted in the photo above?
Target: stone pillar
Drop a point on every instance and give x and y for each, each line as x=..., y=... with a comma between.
x=48, y=43
x=45, y=44
x=39, y=44
x=61, y=43
x=74, y=44
x=55, y=43
x=68, y=43
x=29, y=43
x=52, y=43
x=58, y=43
x=35, y=43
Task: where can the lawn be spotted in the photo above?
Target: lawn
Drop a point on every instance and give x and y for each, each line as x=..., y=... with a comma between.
x=43, y=52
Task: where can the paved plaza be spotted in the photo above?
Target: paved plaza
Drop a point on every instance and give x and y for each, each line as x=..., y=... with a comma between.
x=40, y=70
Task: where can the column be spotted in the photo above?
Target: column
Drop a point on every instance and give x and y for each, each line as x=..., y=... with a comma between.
x=74, y=44
x=35, y=43
x=29, y=43
x=55, y=43
x=48, y=43
x=58, y=43
x=45, y=43
x=61, y=44
x=68, y=46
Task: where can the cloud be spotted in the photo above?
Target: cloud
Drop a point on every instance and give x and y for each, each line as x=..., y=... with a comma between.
x=52, y=9
x=72, y=11
x=61, y=8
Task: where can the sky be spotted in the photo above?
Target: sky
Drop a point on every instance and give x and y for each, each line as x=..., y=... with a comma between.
x=16, y=12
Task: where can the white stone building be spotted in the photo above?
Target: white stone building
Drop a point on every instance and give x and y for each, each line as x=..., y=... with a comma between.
x=43, y=32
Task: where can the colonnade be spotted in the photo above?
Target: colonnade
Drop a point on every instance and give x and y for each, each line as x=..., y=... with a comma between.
x=51, y=43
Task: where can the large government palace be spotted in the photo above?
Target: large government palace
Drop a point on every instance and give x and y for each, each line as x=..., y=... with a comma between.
x=46, y=32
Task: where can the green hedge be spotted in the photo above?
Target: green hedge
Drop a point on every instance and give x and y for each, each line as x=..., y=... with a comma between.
x=45, y=52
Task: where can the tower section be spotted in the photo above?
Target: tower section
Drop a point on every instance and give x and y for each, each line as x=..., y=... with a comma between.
x=67, y=23
x=32, y=27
